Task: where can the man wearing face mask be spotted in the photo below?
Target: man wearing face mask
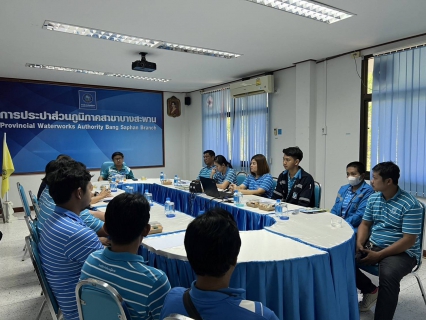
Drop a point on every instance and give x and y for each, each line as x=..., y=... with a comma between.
x=352, y=198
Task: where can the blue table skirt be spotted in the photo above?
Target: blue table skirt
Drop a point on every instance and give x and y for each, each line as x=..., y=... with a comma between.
x=192, y=204
x=342, y=260
x=299, y=288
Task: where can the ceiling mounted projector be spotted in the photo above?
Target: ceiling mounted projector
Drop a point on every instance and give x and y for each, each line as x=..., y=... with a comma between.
x=143, y=65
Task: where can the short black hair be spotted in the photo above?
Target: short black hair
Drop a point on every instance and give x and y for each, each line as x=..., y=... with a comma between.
x=387, y=170
x=126, y=216
x=117, y=153
x=210, y=152
x=65, y=180
x=212, y=243
x=63, y=156
x=55, y=165
x=294, y=152
x=359, y=166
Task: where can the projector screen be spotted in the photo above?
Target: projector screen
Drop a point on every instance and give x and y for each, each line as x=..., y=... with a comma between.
x=89, y=124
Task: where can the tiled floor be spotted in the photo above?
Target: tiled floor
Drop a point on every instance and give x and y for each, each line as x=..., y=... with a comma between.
x=20, y=291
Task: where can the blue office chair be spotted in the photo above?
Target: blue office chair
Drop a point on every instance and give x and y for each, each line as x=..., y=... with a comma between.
x=241, y=176
x=49, y=298
x=374, y=270
x=24, y=200
x=34, y=201
x=32, y=228
x=105, y=166
x=317, y=193
x=275, y=180
x=99, y=300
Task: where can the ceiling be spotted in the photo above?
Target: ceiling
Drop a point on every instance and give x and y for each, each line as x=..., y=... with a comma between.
x=268, y=39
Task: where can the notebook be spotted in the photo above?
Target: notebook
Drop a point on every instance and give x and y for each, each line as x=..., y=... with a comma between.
x=210, y=189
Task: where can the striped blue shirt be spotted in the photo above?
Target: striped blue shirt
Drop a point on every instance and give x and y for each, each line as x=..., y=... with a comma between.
x=65, y=243
x=143, y=288
x=229, y=175
x=205, y=172
x=265, y=182
x=391, y=219
x=112, y=171
x=47, y=205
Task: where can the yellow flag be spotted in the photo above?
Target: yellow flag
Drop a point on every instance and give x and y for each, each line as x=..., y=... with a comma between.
x=7, y=169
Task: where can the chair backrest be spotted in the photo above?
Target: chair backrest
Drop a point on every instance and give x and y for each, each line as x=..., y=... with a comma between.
x=105, y=166
x=317, y=193
x=24, y=200
x=34, y=201
x=241, y=176
x=92, y=293
x=47, y=292
x=275, y=181
x=176, y=316
x=419, y=262
x=32, y=228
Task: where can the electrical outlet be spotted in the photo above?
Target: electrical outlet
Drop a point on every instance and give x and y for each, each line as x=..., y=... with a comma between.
x=355, y=54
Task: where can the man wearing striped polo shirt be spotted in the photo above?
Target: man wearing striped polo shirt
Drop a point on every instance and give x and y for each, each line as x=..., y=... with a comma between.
x=65, y=241
x=208, y=157
x=142, y=287
x=393, y=221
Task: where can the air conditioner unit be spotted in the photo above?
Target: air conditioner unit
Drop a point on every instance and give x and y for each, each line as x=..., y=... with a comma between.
x=264, y=84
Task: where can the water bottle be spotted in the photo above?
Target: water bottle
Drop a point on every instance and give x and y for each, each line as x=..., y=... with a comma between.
x=279, y=210
x=169, y=208
x=162, y=177
x=175, y=181
x=201, y=212
x=238, y=198
x=148, y=197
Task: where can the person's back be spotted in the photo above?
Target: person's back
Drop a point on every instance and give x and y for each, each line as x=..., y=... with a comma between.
x=212, y=244
x=142, y=287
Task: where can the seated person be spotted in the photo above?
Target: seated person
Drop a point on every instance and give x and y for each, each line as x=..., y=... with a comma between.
x=259, y=182
x=142, y=287
x=43, y=181
x=390, y=229
x=295, y=185
x=99, y=196
x=47, y=205
x=223, y=173
x=212, y=244
x=352, y=198
x=208, y=157
x=117, y=168
x=65, y=241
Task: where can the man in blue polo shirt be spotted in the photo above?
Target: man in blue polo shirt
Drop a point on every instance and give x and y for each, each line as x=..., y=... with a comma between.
x=65, y=241
x=208, y=157
x=352, y=198
x=117, y=168
x=212, y=244
x=143, y=288
x=294, y=185
x=388, y=235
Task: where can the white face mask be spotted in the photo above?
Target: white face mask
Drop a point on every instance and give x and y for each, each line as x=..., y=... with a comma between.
x=353, y=181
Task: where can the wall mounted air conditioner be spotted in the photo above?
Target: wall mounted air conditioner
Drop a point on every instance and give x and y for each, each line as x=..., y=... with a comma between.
x=264, y=84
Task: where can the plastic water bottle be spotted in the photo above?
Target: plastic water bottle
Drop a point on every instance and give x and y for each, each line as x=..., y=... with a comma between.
x=279, y=210
x=148, y=196
x=175, y=181
x=238, y=198
x=169, y=208
x=162, y=177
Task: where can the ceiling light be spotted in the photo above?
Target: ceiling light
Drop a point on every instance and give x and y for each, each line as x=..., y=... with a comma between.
x=99, y=73
x=308, y=9
x=114, y=36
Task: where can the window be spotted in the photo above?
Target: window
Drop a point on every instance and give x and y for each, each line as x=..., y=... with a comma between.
x=235, y=128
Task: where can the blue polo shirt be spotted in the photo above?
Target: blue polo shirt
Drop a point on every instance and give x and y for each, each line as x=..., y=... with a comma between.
x=391, y=219
x=229, y=175
x=205, y=172
x=47, y=205
x=143, y=288
x=65, y=243
x=112, y=171
x=266, y=182
x=223, y=304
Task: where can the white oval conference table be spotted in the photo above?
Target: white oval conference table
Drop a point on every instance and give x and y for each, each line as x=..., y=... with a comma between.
x=301, y=268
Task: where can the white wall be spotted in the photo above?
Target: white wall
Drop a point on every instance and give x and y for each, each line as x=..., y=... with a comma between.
x=174, y=136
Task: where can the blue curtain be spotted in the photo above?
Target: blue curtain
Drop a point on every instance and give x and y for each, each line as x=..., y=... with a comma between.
x=249, y=122
x=399, y=116
x=216, y=108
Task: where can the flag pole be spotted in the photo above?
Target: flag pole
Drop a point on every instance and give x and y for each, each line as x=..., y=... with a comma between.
x=7, y=192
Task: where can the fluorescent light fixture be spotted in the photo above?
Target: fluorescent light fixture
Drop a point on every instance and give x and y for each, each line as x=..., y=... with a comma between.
x=98, y=73
x=114, y=36
x=308, y=9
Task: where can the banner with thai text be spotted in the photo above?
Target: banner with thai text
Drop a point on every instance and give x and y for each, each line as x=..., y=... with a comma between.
x=89, y=124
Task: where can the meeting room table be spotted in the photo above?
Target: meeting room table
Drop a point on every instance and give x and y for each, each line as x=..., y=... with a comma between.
x=301, y=268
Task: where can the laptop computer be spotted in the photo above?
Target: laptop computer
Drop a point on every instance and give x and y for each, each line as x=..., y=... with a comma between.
x=210, y=189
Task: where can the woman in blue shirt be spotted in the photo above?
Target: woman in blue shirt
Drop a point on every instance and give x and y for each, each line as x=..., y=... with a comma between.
x=223, y=173
x=259, y=182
